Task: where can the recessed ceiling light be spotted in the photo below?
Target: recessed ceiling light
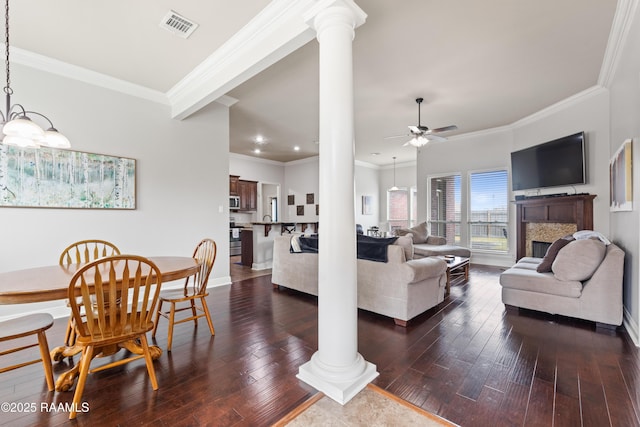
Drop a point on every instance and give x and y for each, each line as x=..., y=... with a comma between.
x=375, y=154
x=259, y=139
x=296, y=148
x=257, y=151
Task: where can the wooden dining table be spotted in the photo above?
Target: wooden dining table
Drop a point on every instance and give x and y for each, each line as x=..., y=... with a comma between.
x=51, y=283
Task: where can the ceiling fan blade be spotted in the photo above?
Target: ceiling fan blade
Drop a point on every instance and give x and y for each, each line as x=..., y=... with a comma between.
x=435, y=138
x=396, y=136
x=444, y=129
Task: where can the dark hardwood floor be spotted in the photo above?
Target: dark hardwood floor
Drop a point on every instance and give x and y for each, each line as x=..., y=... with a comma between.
x=468, y=360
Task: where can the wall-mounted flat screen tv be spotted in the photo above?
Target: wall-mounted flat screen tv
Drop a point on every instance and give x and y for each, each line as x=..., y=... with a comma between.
x=551, y=164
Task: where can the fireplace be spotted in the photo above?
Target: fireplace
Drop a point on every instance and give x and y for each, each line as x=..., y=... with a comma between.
x=545, y=219
x=539, y=249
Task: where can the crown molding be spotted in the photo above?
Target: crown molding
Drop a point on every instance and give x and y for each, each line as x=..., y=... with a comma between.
x=271, y=35
x=54, y=66
x=244, y=157
x=560, y=106
x=303, y=161
x=366, y=165
x=622, y=21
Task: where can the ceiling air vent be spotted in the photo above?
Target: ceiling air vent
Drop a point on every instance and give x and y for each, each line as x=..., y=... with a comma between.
x=178, y=24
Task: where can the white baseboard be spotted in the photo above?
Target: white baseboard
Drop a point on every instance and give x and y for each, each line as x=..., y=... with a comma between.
x=631, y=326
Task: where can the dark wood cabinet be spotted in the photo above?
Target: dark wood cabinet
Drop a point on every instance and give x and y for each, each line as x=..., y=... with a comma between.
x=576, y=210
x=233, y=184
x=248, y=192
x=246, y=237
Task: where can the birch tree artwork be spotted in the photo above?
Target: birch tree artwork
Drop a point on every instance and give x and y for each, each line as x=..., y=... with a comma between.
x=51, y=178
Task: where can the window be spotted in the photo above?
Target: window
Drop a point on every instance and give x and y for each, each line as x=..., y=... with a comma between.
x=402, y=208
x=488, y=210
x=481, y=209
x=444, y=212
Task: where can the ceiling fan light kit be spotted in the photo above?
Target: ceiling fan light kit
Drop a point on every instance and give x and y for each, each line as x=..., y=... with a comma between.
x=422, y=135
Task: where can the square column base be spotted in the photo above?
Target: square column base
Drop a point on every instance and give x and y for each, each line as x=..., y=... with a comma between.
x=342, y=391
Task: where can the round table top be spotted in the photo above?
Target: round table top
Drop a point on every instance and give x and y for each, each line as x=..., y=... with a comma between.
x=52, y=282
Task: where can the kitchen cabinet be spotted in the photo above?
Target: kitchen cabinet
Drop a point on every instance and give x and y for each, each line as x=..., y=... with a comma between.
x=248, y=192
x=233, y=184
x=247, y=247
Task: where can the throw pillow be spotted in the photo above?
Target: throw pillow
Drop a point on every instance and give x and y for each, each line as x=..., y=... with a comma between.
x=550, y=255
x=419, y=233
x=578, y=260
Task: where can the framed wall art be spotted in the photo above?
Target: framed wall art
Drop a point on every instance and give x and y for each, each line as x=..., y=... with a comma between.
x=51, y=178
x=621, y=179
x=367, y=205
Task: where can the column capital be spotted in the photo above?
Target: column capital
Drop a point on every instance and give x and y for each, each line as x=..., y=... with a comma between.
x=346, y=10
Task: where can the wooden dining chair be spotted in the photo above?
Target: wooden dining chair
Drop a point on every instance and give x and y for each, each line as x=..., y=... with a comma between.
x=32, y=324
x=123, y=291
x=195, y=289
x=79, y=252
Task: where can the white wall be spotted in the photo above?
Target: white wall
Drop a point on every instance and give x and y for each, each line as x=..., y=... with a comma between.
x=367, y=184
x=491, y=150
x=302, y=177
x=179, y=165
x=588, y=112
x=625, y=111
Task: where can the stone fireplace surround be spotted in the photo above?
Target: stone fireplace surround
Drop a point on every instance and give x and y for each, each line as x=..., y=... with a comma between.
x=546, y=219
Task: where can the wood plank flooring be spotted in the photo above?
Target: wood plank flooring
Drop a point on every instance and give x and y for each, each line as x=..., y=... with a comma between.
x=468, y=360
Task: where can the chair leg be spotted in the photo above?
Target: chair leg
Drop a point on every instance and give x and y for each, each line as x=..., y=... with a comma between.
x=149, y=361
x=85, y=362
x=157, y=319
x=172, y=316
x=205, y=308
x=194, y=312
x=46, y=359
x=67, y=334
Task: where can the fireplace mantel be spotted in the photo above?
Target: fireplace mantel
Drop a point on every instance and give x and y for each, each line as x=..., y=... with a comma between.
x=577, y=209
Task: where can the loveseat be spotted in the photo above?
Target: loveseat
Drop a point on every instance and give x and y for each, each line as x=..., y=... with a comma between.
x=581, y=279
x=425, y=245
x=400, y=288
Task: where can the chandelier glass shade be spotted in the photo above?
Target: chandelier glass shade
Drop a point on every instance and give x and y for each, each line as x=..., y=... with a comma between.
x=17, y=127
x=418, y=141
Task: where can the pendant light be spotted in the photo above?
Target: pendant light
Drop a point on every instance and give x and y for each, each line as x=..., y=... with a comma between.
x=394, y=188
x=17, y=127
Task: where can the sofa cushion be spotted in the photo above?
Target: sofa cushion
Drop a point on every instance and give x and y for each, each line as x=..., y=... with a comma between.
x=550, y=256
x=424, y=250
x=578, y=260
x=530, y=280
x=419, y=233
x=406, y=242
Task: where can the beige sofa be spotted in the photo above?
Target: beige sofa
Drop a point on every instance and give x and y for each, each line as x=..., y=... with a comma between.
x=585, y=282
x=425, y=245
x=399, y=289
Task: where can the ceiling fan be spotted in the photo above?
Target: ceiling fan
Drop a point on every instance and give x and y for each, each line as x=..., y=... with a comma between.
x=421, y=135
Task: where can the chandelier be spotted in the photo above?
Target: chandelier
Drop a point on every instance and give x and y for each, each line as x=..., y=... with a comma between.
x=394, y=188
x=17, y=127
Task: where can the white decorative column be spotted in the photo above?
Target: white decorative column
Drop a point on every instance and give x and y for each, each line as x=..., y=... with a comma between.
x=337, y=369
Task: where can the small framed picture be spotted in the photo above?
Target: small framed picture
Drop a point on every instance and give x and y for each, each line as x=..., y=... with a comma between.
x=300, y=210
x=310, y=198
x=291, y=200
x=367, y=205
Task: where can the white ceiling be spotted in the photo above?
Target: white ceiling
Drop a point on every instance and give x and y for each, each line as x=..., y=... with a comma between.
x=477, y=64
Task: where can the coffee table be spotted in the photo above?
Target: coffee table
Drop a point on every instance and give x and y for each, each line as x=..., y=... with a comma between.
x=456, y=266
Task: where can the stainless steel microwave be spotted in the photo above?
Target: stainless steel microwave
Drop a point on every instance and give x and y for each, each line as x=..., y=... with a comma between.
x=234, y=202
